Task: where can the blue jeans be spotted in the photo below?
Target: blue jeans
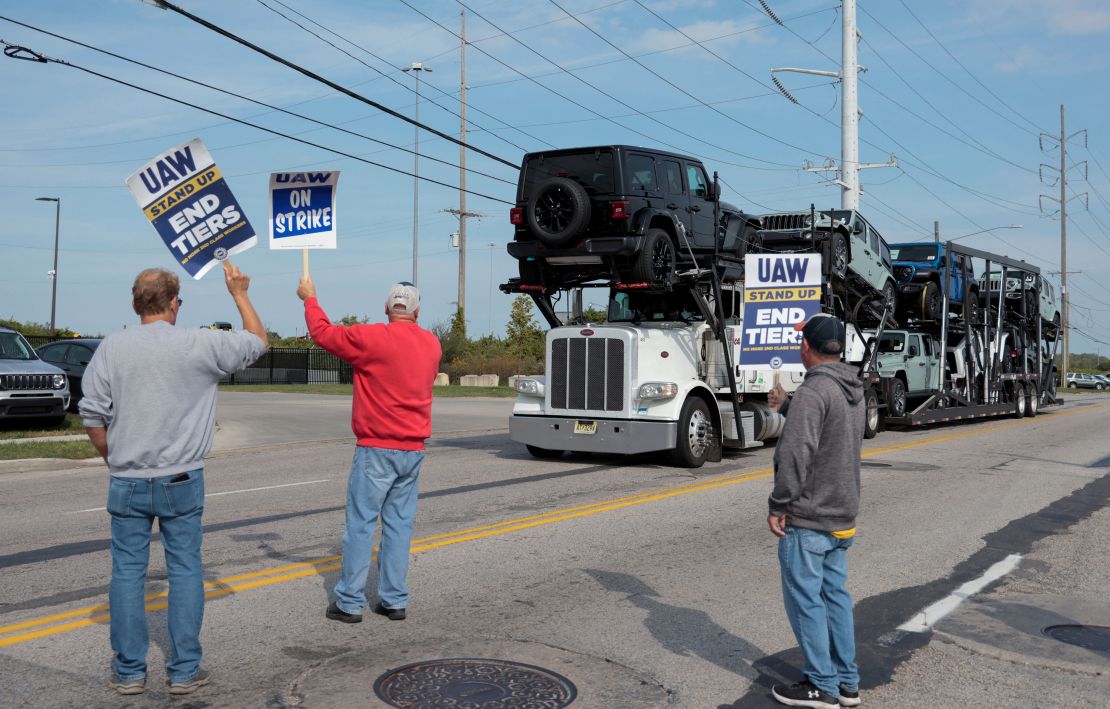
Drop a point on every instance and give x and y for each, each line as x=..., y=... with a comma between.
x=382, y=482
x=134, y=503
x=814, y=571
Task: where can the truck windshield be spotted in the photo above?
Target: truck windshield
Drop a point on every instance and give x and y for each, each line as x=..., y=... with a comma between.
x=593, y=170
x=649, y=307
x=892, y=342
x=913, y=252
x=13, y=346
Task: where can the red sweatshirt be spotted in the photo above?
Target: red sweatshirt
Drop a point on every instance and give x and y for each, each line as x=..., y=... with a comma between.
x=395, y=367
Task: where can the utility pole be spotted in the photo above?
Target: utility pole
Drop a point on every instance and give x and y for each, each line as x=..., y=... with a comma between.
x=416, y=69
x=1065, y=296
x=848, y=170
x=936, y=232
x=463, y=214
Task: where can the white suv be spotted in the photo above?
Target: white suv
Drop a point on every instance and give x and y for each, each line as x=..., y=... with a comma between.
x=29, y=387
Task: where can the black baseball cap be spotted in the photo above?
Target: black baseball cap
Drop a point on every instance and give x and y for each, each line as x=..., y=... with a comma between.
x=824, y=333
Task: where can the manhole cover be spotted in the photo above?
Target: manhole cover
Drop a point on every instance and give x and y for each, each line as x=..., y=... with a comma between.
x=489, y=684
x=1090, y=637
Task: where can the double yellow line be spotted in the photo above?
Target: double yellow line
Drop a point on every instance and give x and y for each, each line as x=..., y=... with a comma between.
x=17, y=633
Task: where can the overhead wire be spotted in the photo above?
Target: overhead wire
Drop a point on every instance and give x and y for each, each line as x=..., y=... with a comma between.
x=44, y=59
x=579, y=104
x=240, y=96
x=327, y=82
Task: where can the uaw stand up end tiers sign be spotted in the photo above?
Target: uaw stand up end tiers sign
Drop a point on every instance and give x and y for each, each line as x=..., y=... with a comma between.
x=185, y=197
x=780, y=290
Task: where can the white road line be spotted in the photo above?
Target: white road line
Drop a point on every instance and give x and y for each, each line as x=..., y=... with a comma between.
x=226, y=492
x=929, y=617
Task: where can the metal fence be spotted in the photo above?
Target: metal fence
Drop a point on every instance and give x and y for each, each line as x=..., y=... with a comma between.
x=281, y=365
x=294, y=365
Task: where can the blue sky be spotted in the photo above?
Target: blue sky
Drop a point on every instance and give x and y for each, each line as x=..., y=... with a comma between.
x=966, y=137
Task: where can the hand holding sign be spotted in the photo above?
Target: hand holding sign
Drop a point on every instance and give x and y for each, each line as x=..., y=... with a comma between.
x=306, y=289
x=237, y=281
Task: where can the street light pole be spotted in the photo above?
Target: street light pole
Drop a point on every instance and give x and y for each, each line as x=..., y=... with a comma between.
x=416, y=68
x=489, y=295
x=54, y=271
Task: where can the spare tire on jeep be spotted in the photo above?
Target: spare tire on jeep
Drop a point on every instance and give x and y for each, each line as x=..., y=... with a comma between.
x=558, y=211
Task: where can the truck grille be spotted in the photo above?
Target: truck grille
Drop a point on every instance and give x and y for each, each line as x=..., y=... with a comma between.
x=26, y=381
x=587, y=373
x=779, y=222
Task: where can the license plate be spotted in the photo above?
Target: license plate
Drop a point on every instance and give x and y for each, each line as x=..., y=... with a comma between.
x=587, y=428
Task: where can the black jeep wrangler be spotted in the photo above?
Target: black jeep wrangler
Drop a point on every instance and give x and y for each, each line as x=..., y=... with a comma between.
x=615, y=212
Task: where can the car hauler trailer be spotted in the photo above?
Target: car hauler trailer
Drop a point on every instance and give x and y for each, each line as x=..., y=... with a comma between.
x=998, y=364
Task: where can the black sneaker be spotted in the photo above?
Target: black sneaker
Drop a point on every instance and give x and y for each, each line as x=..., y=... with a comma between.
x=334, y=612
x=391, y=613
x=189, y=686
x=849, y=697
x=804, y=694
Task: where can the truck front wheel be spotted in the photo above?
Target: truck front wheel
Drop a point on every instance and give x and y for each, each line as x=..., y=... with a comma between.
x=538, y=452
x=695, y=434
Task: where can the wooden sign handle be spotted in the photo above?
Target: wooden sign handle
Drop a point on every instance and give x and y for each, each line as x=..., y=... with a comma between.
x=304, y=262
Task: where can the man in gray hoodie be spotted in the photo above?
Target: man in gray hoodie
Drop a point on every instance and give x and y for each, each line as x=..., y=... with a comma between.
x=812, y=510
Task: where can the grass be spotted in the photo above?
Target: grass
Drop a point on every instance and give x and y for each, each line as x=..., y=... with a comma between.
x=345, y=390
x=71, y=450
x=32, y=428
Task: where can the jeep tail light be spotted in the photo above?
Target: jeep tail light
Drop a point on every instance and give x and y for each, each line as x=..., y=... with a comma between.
x=516, y=215
x=619, y=209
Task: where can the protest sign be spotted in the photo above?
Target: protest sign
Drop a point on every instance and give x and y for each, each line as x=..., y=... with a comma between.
x=185, y=197
x=302, y=210
x=780, y=290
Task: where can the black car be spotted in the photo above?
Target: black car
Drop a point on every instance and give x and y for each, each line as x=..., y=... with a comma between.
x=621, y=213
x=71, y=356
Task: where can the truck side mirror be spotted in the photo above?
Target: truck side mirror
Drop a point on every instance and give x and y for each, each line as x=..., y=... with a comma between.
x=715, y=192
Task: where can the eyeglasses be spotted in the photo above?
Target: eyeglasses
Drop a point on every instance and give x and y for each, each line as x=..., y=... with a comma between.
x=179, y=302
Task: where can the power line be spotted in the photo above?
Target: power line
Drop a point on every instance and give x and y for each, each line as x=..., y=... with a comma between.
x=966, y=70
x=165, y=4
x=246, y=98
x=601, y=91
x=678, y=88
x=18, y=52
x=403, y=85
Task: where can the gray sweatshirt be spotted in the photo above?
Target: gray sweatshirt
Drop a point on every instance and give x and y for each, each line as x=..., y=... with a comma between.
x=154, y=388
x=817, y=456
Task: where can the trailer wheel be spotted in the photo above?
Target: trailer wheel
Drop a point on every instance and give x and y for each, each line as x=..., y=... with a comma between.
x=896, y=401
x=1032, y=399
x=695, y=434
x=1018, y=393
x=545, y=453
x=871, y=409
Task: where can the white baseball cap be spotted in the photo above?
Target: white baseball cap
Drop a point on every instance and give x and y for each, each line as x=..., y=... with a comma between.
x=403, y=298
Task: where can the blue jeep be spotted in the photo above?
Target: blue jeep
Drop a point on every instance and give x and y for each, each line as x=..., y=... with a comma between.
x=918, y=267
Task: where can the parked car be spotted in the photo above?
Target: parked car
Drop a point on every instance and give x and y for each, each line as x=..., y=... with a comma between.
x=860, y=257
x=1081, y=380
x=29, y=387
x=639, y=214
x=919, y=268
x=71, y=356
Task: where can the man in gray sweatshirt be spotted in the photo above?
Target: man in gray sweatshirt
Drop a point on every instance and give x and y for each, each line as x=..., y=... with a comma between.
x=812, y=510
x=149, y=408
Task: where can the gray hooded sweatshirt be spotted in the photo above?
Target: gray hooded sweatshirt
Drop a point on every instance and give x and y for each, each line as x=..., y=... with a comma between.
x=818, y=453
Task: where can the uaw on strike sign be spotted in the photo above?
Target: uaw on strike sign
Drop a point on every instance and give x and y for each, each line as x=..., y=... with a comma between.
x=780, y=290
x=302, y=210
x=185, y=197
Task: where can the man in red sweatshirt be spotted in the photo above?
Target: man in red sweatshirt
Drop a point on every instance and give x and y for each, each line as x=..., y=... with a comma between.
x=395, y=366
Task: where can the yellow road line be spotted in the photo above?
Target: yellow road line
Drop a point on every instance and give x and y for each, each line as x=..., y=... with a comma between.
x=266, y=577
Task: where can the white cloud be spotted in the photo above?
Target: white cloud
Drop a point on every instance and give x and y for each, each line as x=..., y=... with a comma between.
x=717, y=35
x=1067, y=17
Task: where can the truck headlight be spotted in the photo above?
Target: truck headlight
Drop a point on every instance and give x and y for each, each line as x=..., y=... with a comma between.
x=529, y=387
x=59, y=381
x=658, y=390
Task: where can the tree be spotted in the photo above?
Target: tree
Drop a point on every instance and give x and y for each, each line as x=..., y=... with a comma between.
x=525, y=337
x=349, y=320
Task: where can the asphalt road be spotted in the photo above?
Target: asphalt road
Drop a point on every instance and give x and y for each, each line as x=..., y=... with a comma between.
x=642, y=584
